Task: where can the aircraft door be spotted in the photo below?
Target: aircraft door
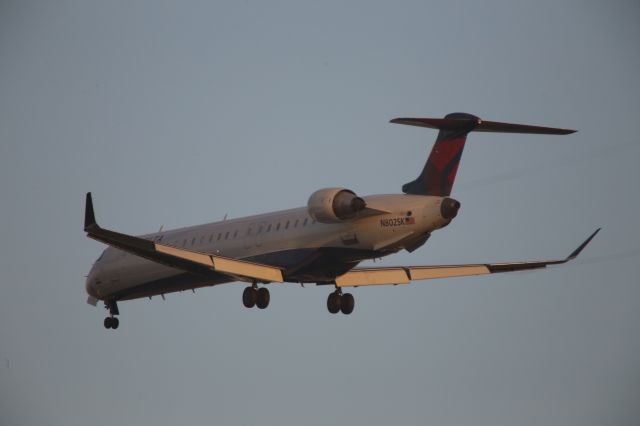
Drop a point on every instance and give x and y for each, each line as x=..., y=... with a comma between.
x=249, y=236
x=261, y=228
x=254, y=234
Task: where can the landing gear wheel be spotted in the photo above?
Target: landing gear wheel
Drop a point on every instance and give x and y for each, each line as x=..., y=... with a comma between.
x=347, y=303
x=263, y=298
x=333, y=302
x=111, y=322
x=249, y=297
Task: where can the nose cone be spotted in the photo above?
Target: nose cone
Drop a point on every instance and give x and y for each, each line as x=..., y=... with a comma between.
x=449, y=208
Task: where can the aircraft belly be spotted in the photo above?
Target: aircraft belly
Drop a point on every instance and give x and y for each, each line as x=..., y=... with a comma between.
x=170, y=284
x=141, y=278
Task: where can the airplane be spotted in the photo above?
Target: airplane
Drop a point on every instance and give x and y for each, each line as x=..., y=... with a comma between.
x=321, y=243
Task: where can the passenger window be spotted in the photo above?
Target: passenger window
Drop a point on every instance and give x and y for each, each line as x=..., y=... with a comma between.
x=278, y=227
x=193, y=241
x=306, y=219
x=184, y=242
x=295, y=225
x=210, y=238
x=226, y=236
x=219, y=236
x=287, y=225
x=235, y=234
x=269, y=228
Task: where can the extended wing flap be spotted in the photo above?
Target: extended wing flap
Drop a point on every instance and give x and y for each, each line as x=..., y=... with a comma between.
x=373, y=276
x=433, y=272
x=187, y=260
x=247, y=269
x=405, y=274
x=200, y=258
x=225, y=265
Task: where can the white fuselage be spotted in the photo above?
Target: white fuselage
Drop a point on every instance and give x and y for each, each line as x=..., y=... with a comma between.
x=307, y=250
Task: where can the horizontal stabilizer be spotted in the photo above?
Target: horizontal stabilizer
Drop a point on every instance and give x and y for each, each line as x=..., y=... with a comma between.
x=479, y=125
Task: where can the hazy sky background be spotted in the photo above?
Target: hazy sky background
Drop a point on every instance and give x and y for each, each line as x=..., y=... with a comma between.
x=176, y=113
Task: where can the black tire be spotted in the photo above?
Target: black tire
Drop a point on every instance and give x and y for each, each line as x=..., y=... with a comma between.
x=107, y=322
x=347, y=303
x=115, y=323
x=263, y=298
x=333, y=302
x=249, y=297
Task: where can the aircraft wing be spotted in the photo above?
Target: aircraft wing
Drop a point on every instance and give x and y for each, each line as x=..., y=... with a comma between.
x=186, y=260
x=405, y=274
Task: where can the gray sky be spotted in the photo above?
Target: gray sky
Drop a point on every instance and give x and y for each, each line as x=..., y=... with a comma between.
x=177, y=113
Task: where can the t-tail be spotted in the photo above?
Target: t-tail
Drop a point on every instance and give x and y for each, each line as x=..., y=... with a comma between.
x=440, y=170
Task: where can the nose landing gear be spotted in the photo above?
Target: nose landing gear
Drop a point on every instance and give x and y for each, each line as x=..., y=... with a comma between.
x=111, y=322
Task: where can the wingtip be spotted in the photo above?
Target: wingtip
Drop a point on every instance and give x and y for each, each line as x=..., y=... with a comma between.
x=89, y=215
x=581, y=247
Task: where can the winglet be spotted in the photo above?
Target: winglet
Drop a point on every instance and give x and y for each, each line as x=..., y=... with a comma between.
x=577, y=251
x=89, y=216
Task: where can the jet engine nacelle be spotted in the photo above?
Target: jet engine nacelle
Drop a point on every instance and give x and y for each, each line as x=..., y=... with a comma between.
x=331, y=205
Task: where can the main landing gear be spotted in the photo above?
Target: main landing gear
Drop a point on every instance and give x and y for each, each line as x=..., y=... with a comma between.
x=111, y=321
x=338, y=302
x=254, y=296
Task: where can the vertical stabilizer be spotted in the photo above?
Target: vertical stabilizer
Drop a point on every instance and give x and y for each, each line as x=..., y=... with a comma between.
x=440, y=170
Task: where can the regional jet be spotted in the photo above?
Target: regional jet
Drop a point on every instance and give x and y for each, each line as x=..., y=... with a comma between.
x=321, y=243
